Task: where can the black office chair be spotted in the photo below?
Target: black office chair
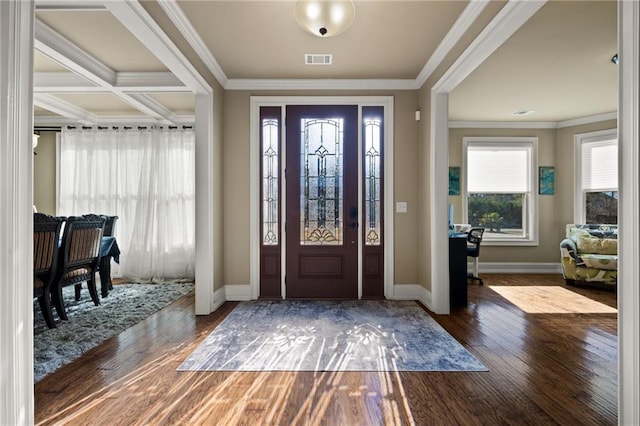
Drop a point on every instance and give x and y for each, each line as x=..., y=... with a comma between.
x=474, y=238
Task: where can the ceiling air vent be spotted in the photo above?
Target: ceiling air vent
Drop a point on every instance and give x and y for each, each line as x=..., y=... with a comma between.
x=317, y=59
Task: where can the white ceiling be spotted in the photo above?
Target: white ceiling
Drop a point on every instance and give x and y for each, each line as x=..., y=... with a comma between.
x=91, y=68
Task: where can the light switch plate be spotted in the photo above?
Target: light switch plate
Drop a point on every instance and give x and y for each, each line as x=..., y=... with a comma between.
x=401, y=207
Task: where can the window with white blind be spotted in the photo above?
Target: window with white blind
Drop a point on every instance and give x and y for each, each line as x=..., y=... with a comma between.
x=596, y=195
x=500, y=188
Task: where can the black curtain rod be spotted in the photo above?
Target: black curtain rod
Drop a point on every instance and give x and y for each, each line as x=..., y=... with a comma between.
x=47, y=128
x=124, y=127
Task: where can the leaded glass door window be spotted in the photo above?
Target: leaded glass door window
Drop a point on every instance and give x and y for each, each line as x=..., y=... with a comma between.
x=322, y=202
x=271, y=201
x=321, y=181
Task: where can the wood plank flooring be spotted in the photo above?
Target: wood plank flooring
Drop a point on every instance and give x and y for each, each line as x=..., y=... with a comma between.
x=544, y=369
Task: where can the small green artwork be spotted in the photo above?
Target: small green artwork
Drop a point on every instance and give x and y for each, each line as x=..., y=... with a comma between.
x=454, y=180
x=547, y=180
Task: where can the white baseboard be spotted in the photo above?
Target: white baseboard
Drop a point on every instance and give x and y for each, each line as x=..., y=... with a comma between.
x=406, y=291
x=219, y=297
x=425, y=298
x=412, y=292
x=237, y=293
x=517, y=268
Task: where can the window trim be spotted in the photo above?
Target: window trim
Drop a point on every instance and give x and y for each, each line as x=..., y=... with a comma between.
x=579, y=198
x=532, y=203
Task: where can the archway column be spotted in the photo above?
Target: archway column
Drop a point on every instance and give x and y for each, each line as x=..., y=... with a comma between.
x=16, y=201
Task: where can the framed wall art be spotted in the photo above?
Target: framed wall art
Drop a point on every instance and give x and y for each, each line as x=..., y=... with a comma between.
x=547, y=180
x=454, y=180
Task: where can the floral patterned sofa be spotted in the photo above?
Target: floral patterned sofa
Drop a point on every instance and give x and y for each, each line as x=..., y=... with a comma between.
x=590, y=254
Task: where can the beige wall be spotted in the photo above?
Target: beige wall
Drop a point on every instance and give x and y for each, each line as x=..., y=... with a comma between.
x=236, y=178
x=44, y=174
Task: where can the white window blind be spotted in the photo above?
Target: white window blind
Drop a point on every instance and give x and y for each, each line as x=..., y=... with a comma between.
x=600, y=165
x=503, y=170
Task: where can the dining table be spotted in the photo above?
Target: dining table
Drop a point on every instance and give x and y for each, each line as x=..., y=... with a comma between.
x=108, y=250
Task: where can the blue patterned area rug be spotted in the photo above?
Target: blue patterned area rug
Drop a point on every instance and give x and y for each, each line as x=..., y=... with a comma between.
x=330, y=336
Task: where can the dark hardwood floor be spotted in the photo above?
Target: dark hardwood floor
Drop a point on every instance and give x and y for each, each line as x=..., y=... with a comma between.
x=543, y=369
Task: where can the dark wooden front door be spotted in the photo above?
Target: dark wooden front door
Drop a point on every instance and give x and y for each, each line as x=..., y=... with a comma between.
x=322, y=201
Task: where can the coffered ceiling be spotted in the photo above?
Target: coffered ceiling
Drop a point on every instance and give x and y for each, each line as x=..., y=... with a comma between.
x=95, y=63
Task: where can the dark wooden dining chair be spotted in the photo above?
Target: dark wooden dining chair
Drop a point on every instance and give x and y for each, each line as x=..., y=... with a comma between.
x=46, y=235
x=79, y=257
x=109, y=225
x=108, y=249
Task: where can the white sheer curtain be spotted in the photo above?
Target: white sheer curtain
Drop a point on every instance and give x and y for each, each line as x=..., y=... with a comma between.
x=146, y=177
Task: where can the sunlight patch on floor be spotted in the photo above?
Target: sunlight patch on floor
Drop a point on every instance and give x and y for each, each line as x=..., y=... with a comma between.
x=551, y=300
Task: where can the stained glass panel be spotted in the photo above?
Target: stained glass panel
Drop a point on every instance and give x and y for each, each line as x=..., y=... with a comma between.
x=270, y=201
x=372, y=177
x=321, y=177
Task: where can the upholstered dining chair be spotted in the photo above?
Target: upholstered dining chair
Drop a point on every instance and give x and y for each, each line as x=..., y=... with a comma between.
x=109, y=225
x=79, y=257
x=46, y=235
x=474, y=239
x=106, y=251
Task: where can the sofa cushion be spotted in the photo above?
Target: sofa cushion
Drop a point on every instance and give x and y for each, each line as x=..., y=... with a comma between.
x=576, y=233
x=593, y=245
x=600, y=261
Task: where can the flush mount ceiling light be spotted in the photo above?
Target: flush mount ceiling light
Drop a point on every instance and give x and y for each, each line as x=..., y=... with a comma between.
x=325, y=18
x=523, y=112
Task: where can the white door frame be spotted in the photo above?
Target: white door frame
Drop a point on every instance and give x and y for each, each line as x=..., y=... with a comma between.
x=254, y=207
x=16, y=211
x=629, y=212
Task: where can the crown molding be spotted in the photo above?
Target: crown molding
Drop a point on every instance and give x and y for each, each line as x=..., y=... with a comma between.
x=183, y=24
x=48, y=82
x=503, y=125
x=321, y=84
x=69, y=5
x=459, y=28
x=589, y=119
x=532, y=124
x=150, y=82
x=65, y=82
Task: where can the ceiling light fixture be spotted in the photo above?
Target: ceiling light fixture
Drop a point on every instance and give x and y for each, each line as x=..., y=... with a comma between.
x=523, y=112
x=325, y=18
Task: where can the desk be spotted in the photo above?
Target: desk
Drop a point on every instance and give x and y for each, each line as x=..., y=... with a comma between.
x=108, y=250
x=458, y=270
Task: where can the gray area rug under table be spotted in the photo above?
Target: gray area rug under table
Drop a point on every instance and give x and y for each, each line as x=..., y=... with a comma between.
x=90, y=325
x=330, y=336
